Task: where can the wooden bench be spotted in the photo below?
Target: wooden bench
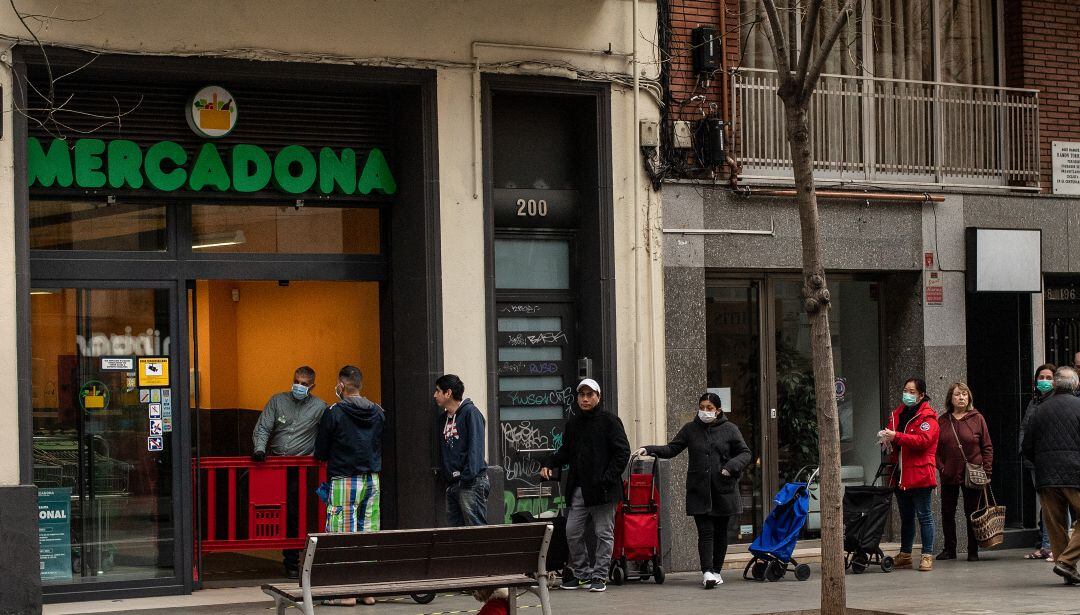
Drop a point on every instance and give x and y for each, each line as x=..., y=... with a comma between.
x=402, y=562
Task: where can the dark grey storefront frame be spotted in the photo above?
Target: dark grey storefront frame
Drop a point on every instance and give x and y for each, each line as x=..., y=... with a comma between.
x=409, y=278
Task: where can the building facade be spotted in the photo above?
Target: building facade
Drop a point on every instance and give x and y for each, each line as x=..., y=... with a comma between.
x=191, y=209
x=960, y=99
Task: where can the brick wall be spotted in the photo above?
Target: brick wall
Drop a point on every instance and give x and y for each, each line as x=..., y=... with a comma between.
x=1042, y=51
x=685, y=16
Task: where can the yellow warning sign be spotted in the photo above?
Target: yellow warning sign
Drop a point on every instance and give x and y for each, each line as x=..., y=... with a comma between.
x=153, y=372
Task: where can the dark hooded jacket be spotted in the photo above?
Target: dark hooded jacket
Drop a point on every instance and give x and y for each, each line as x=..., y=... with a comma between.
x=461, y=444
x=350, y=437
x=1052, y=441
x=713, y=447
x=596, y=449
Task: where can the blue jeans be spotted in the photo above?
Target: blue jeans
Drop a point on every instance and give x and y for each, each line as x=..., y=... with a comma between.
x=916, y=503
x=466, y=504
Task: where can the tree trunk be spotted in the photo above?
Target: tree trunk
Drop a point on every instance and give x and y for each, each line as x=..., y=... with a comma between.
x=816, y=303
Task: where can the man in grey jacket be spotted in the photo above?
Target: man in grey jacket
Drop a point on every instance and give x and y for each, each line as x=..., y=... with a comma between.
x=287, y=426
x=1052, y=442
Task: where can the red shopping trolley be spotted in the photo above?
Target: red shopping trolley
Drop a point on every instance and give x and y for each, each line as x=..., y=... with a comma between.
x=637, y=524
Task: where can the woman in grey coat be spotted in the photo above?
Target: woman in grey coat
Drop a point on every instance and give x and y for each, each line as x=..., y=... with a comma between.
x=718, y=455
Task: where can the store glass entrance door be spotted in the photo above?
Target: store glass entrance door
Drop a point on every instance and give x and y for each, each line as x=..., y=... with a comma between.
x=104, y=383
x=759, y=362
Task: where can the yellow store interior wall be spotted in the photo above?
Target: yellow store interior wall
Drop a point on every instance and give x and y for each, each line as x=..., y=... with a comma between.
x=250, y=347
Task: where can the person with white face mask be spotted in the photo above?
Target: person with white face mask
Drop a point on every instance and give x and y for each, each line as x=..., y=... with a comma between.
x=287, y=426
x=718, y=455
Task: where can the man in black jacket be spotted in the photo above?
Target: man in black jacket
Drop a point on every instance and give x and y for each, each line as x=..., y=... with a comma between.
x=595, y=447
x=461, y=454
x=1052, y=442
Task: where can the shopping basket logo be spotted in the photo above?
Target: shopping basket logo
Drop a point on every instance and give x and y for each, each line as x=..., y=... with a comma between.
x=212, y=112
x=94, y=396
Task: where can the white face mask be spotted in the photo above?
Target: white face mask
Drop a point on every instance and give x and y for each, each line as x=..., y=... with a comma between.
x=706, y=416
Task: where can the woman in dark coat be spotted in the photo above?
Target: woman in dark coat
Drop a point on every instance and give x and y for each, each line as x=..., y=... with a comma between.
x=963, y=438
x=718, y=455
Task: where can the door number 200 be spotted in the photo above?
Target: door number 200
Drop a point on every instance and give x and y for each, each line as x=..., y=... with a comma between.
x=531, y=208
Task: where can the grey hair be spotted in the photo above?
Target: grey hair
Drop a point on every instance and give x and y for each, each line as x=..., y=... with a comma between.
x=1065, y=379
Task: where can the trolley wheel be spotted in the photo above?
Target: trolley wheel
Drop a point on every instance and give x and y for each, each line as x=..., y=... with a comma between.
x=859, y=563
x=887, y=563
x=618, y=575
x=774, y=571
x=758, y=571
x=659, y=576
x=802, y=572
x=422, y=598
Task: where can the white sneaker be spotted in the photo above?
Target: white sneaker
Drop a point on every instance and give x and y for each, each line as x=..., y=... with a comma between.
x=708, y=580
x=719, y=580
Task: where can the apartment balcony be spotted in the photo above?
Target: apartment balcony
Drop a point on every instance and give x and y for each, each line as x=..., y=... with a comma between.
x=892, y=131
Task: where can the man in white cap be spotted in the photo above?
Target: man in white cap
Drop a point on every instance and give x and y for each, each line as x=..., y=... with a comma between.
x=596, y=449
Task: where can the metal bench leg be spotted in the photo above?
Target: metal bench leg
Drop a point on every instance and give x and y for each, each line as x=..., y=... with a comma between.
x=512, y=601
x=545, y=599
x=280, y=604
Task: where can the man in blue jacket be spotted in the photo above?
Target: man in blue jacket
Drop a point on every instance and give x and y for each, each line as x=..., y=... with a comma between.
x=350, y=442
x=462, y=454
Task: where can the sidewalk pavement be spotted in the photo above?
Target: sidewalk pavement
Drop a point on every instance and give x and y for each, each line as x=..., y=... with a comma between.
x=1002, y=583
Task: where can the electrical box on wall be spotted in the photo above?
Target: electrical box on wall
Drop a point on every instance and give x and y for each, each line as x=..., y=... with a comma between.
x=650, y=134
x=709, y=142
x=682, y=136
x=706, y=46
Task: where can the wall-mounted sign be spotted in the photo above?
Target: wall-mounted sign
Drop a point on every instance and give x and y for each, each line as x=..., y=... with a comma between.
x=1004, y=260
x=1065, y=162
x=530, y=208
x=212, y=112
x=935, y=292
x=54, y=533
x=155, y=444
x=153, y=372
x=1061, y=294
x=165, y=166
x=94, y=396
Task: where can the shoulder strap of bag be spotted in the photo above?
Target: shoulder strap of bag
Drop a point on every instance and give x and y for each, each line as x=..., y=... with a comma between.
x=952, y=423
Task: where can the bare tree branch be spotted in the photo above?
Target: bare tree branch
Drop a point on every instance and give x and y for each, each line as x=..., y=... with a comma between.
x=809, y=27
x=811, y=79
x=778, y=43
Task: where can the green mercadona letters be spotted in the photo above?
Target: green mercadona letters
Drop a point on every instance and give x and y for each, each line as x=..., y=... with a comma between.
x=119, y=164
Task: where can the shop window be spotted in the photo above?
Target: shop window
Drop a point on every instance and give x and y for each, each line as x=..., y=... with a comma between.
x=262, y=229
x=96, y=225
x=538, y=264
x=102, y=446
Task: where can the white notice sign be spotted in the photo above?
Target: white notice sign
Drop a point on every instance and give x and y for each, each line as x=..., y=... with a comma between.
x=1066, y=166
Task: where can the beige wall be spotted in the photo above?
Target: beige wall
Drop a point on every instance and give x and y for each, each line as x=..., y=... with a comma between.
x=9, y=417
x=423, y=33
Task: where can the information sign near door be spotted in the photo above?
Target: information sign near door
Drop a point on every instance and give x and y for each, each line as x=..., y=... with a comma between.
x=54, y=533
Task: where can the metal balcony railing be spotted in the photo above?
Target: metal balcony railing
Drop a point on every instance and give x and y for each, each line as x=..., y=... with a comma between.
x=894, y=131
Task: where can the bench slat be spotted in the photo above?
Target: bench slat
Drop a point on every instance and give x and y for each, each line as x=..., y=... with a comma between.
x=439, y=567
x=293, y=592
x=442, y=534
x=429, y=549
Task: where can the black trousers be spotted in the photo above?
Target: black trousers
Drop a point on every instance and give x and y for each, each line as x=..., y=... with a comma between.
x=950, y=495
x=712, y=539
x=291, y=557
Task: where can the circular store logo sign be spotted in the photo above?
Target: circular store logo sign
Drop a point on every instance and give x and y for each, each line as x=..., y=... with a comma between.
x=212, y=112
x=94, y=396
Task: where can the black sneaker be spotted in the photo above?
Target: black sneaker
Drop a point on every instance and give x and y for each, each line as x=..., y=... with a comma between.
x=1071, y=576
x=598, y=585
x=574, y=583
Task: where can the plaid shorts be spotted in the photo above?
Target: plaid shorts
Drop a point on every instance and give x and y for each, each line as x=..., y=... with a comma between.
x=354, y=504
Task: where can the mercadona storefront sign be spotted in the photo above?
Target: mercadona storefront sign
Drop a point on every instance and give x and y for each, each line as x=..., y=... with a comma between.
x=165, y=166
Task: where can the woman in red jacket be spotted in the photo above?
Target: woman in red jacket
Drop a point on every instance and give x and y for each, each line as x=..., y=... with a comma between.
x=911, y=438
x=964, y=439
